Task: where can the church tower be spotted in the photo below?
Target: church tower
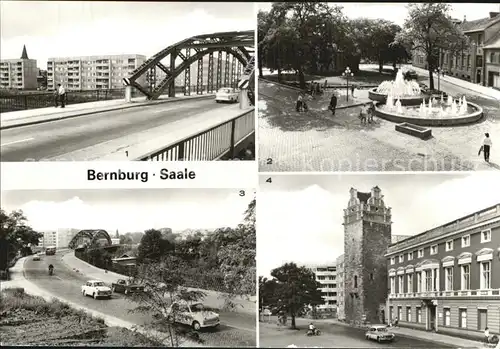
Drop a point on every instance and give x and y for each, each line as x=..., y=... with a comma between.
x=24, y=54
x=367, y=235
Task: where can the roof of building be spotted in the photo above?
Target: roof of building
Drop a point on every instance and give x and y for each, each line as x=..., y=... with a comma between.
x=24, y=55
x=479, y=24
x=493, y=42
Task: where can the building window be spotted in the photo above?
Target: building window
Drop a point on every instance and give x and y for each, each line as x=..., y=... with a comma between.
x=420, y=253
x=393, y=260
x=448, y=281
x=485, y=275
x=486, y=236
x=355, y=281
x=462, y=318
x=449, y=245
x=434, y=249
x=400, y=313
x=409, y=283
x=466, y=241
x=401, y=284
x=401, y=258
x=393, y=285
x=408, y=314
x=465, y=285
x=447, y=315
x=419, y=281
x=419, y=315
x=428, y=280
x=410, y=256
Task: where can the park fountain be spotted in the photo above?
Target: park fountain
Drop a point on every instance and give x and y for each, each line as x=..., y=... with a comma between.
x=408, y=92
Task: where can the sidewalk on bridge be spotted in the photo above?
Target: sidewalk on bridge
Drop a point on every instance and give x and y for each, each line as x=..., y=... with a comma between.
x=487, y=91
x=19, y=281
x=419, y=334
x=136, y=146
x=213, y=299
x=40, y=115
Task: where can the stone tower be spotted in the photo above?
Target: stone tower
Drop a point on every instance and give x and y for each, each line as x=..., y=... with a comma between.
x=367, y=235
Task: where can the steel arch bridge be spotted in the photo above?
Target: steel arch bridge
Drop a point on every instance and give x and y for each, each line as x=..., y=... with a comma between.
x=153, y=77
x=89, y=237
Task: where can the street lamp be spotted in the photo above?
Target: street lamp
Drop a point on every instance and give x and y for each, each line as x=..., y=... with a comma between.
x=438, y=72
x=347, y=74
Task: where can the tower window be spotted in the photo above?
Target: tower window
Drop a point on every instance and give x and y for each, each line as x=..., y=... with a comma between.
x=355, y=281
x=371, y=276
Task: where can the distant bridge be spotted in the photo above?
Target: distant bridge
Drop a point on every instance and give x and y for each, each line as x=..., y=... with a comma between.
x=89, y=238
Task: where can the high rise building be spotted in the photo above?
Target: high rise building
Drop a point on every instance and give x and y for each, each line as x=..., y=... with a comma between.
x=49, y=239
x=64, y=236
x=367, y=235
x=92, y=72
x=326, y=275
x=19, y=74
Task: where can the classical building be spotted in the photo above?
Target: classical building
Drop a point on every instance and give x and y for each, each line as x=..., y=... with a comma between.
x=326, y=275
x=367, y=235
x=19, y=74
x=448, y=279
x=470, y=64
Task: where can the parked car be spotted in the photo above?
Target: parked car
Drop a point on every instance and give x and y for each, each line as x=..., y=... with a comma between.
x=379, y=333
x=96, y=289
x=410, y=75
x=36, y=257
x=125, y=286
x=194, y=315
x=227, y=94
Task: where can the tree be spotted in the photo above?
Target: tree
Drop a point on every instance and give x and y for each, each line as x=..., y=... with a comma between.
x=295, y=288
x=150, y=248
x=429, y=29
x=15, y=234
x=126, y=240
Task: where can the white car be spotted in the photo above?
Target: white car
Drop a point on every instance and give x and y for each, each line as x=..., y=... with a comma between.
x=380, y=334
x=194, y=315
x=96, y=289
x=227, y=94
x=36, y=257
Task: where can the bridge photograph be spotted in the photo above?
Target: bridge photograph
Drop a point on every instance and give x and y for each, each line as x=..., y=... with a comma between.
x=132, y=82
x=114, y=251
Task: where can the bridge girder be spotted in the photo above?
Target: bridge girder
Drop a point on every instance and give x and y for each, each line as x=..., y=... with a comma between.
x=238, y=43
x=92, y=234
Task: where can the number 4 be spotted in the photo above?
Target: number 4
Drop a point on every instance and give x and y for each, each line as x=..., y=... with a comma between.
x=269, y=180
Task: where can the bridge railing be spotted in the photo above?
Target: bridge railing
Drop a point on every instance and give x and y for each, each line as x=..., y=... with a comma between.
x=210, y=144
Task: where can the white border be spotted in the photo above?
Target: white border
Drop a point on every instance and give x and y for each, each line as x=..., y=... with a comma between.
x=73, y=175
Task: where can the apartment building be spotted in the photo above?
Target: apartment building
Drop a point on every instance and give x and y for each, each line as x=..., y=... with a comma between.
x=326, y=275
x=92, y=72
x=64, y=236
x=49, y=239
x=19, y=74
x=448, y=279
x=470, y=64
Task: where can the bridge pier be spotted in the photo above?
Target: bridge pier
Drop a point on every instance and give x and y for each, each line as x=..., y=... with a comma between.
x=128, y=94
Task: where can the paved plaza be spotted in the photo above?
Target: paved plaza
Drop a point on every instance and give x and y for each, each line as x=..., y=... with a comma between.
x=317, y=141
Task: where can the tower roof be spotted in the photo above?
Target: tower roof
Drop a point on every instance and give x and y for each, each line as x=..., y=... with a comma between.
x=24, y=55
x=363, y=197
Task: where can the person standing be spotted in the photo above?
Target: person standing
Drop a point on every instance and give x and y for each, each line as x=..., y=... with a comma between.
x=56, y=97
x=486, y=335
x=352, y=90
x=299, y=103
x=333, y=103
x=62, y=94
x=487, y=144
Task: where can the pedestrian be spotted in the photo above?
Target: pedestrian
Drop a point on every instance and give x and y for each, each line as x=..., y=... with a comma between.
x=333, y=103
x=486, y=335
x=299, y=104
x=56, y=98
x=352, y=90
x=62, y=94
x=487, y=144
x=318, y=88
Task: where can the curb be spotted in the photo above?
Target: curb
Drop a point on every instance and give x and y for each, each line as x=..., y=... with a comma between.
x=29, y=123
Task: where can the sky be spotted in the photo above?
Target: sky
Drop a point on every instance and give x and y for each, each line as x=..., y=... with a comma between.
x=299, y=218
x=396, y=12
x=129, y=210
x=84, y=28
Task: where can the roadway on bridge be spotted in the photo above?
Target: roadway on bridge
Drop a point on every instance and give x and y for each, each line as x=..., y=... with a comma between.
x=56, y=138
x=236, y=329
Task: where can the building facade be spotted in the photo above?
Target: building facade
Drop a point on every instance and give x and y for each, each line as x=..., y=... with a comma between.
x=492, y=64
x=326, y=275
x=448, y=279
x=49, y=239
x=367, y=235
x=340, y=288
x=19, y=74
x=92, y=72
x=469, y=64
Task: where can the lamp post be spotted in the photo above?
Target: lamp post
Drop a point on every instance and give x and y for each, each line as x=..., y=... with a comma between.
x=438, y=72
x=347, y=74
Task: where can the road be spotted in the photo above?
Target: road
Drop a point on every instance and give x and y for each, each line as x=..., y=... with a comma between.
x=236, y=329
x=333, y=336
x=56, y=138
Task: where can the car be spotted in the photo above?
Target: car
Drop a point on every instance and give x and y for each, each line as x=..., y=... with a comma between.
x=410, y=75
x=96, y=289
x=379, y=333
x=125, y=286
x=36, y=257
x=227, y=94
x=194, y=315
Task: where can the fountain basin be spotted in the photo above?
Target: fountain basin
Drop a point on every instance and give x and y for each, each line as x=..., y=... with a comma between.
x=474, y=116
x=414, y=130
x=382, y=98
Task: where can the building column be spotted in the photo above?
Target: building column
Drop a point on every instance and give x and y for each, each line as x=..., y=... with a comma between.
x=128, y=94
